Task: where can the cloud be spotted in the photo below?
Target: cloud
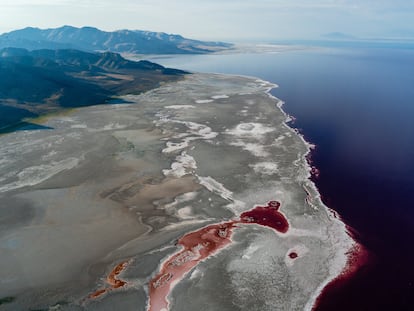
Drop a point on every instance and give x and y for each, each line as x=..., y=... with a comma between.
x=216, y=19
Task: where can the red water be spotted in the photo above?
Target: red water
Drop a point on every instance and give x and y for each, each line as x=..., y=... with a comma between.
x=268, y=216
x=358, y=257
x=201, y=244
x=207, y=241
x=112, y=280
x=197, y=246
x=293, y=255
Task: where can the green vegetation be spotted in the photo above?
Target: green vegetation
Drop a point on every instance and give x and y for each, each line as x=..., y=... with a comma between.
x=5, y=300
x=36, y=83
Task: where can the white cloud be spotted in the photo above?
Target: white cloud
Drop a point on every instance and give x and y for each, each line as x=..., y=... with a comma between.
x=216, y=19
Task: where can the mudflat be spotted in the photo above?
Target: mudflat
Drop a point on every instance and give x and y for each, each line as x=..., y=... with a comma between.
x=96, y=206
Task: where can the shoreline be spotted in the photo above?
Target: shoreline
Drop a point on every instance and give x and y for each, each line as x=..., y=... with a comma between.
x=341, y=149
x=188, y=140
x=357, y=255
x=349, y=267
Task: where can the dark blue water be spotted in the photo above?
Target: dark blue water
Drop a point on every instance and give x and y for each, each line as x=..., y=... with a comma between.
x=357, y=107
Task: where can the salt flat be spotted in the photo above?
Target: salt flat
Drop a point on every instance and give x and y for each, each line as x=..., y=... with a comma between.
x=124, y=182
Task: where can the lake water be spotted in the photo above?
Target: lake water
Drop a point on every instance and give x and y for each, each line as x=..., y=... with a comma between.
x=357, y=107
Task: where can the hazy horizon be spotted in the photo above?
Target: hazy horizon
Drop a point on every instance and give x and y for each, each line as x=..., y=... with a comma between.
x=220, y=20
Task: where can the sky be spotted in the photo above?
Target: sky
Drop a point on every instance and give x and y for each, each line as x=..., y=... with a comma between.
x=234, y=20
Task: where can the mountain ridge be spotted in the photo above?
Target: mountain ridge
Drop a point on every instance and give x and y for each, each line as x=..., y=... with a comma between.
x=89, y=38
x=43, y=81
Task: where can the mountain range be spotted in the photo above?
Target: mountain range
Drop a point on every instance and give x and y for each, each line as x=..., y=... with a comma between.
x=121, y=41
x=43, y=81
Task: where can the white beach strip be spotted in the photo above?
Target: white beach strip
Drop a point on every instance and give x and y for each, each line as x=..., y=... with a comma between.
x=220, y=96
x=201, y=130
x=214, y=186
x=185, y=213
x=340, y=238
x=79, y=126
x=186, y=197
x=196, y=274
x=113, y=126
x=250, y=251
x=180, y=107
x=265, y=168
x=345, y=246
x=250, y=129
x=34, y=175
x=184, y=164
x=172, y=147
x=204, y=101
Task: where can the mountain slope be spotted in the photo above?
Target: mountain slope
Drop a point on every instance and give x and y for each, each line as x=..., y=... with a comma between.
x=93, y=39
x=41, y=81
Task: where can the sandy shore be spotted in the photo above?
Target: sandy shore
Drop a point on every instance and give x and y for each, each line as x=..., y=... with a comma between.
x=122, y=183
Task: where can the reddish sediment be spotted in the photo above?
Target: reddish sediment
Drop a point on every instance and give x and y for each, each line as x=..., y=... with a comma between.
x=197, y=246
x=293, y=255
x=203, y=243
x=112, y=280
x=268, y=216
x=315, y=172
x=358, y=256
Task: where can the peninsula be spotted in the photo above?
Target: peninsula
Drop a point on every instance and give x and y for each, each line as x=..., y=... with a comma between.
x=192, y=193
